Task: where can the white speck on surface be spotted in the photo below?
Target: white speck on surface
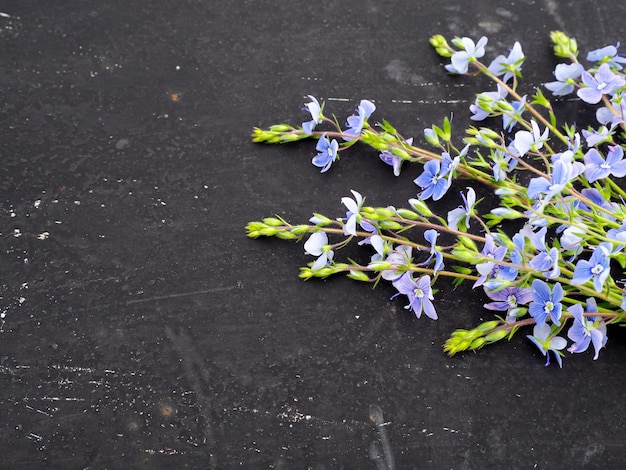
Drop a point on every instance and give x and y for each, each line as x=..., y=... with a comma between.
x=37, y=203
x=17, y=233
x=43, y=235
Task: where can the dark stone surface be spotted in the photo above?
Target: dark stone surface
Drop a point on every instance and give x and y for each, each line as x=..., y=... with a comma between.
x=141, y=329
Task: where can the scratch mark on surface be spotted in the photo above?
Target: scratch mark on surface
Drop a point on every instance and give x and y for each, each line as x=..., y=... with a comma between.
x=181, y=294
x=376, y=416
x=191, y=362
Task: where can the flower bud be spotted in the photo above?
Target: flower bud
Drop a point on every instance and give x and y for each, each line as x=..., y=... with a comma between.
x=496, y=336
x=358, y=275
x=420, y=207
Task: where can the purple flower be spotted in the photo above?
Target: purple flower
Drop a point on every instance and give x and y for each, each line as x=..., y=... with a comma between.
x=597, y=268
x=461, y=59
x=604, y=82
x=546, y=302
x=541, y=338
x=508, y=66
x=315, y=110
x=419, y=293
x=594, y=138
x=431, y=237
x=597, y=167
x=399, y=257
x=435, y=180
x=356, y=122
x=586, y=330
x=327, y=153
x=508, y=298
x=317, y=245
x=462, y=213
x=565, y=75
x=509, y=119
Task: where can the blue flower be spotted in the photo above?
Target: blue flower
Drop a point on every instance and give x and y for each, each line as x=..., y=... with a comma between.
x=317, y=245
x=393, y=160
x=508, y=298
x=586, y=330
x=431, y=237
x=594, y=138
x=509, y=119
x=530, y=140
x=562, y=173
x=419, y=293
x=566, y=75
x=489, y=268
x=546, y=262
x=399, y=258
x=542, y=339
x=327, y=153
x=604, y=82
x=597, y=167
x=315, y=110
x=508, y=66
x=597, y=268
x=356, y=122
x=353, y=216
x=484, y=105
x=607, y=54
x=462, y=213
x=461, y=59
x=435, y=180
x=546, y=302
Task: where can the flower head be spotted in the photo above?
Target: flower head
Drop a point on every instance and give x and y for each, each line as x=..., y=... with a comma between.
x=586, y=329
x=566, y=75
x=315, y=110
x=471, y=51
x=546, y=302
x=353, y=216
x=597, y=167
x=327, y=153
x=357, y=121
x=597, y=268
x=419, y=294
x=508, y=298
x=393, y=160
x=508, y=66
x=431, y=237
x=530, y=140
x=317, y=245
x=607, y=54
x=462, y=213
x=546, y=343
x=435, y=180
x=603, y=82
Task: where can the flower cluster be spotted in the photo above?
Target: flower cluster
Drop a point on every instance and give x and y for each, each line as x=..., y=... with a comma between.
x=558, y=271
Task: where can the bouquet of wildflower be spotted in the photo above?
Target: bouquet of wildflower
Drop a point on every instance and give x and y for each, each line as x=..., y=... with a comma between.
x=556, y=271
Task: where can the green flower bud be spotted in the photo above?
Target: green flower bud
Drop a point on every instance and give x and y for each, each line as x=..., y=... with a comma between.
x=496, y=336
x=420, y=207
x=272, y=222
x=478, y=343
x=390, y=225
x=487, y=326
x=407, y=214
x=358, y=275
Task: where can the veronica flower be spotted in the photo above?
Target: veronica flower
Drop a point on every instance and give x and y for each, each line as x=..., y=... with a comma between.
x=356, y=122
x=546, y=302
x=566, y=75
x=509, y=119
x=607, y=54
x=460, y=60
x=597, y=167
x=462, y=213
x=530, y=140
x=508, y=298
x=586, y=330
x=541, y=338
x=510, y=65
x=562, y=173
x=546, y=261
x=315, y=110
x=398, y=257
x=353, y=216
x=317, y=245
x=594, y=137
x=614, y=116
x=597, y=268
x=419, y=293
x=484, y=105
x=431, y=237
x=489, y=268
x=435, y=180
x=390, y=159
x=604, y=82
x=327, y=153
x=618, y=234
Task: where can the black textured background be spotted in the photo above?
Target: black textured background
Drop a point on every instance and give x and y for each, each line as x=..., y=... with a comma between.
x=141, y=329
